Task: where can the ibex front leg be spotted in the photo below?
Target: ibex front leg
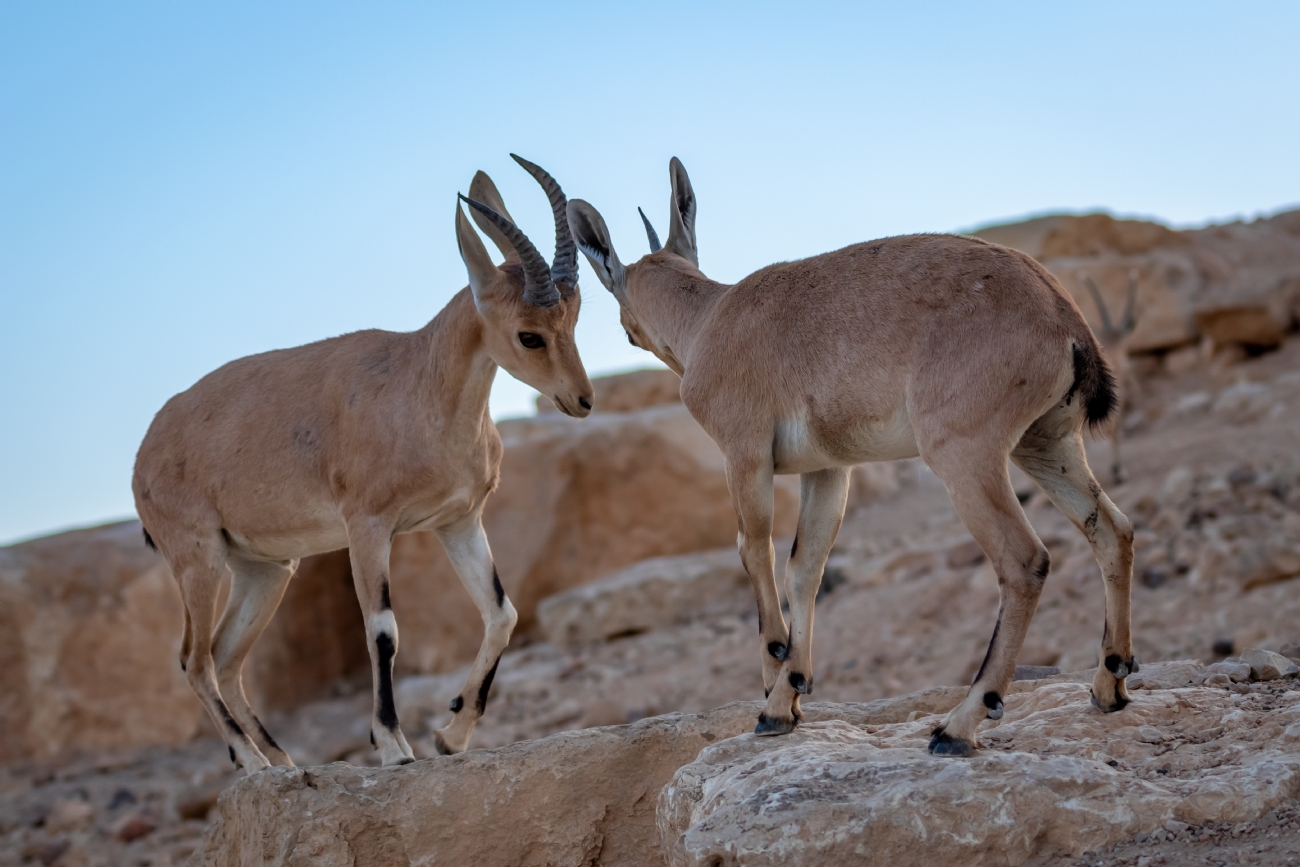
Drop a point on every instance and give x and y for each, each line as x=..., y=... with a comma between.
x=750, y=481
x=823, y=495
x=370, y=541
x=467, y=548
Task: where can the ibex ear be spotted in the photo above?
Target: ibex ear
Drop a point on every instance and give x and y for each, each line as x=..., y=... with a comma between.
x=481, y=189
x=681, y=214
x=589, y=231
x=482, y=271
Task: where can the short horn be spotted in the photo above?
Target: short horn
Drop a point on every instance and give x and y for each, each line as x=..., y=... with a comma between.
x=538, y=288
x=650, y=232
x=565, y=268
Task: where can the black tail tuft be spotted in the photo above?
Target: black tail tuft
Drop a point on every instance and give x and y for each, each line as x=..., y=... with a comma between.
x=148, y=540
x=1094, y=383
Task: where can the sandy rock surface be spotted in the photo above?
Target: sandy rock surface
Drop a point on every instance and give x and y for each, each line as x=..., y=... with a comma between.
x=654, y=593
x=1054, y=777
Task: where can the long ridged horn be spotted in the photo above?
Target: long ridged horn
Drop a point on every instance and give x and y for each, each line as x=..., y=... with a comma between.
x=1101, y=305
x=1130, y=313
x=655, y=246
x=565, y=268
x=539, y=290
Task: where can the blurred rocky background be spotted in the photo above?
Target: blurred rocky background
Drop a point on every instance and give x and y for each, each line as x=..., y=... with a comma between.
x=615, y=538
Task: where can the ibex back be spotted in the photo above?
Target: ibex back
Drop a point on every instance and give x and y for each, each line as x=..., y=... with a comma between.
x=348, y=442
x=959, y=351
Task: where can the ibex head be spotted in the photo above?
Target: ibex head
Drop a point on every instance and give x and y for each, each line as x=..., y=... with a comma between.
x=528, y=309
x=676, y=254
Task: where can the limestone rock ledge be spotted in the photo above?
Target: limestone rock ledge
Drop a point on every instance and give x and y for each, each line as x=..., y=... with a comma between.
x=1055, y=777
x=853, y=785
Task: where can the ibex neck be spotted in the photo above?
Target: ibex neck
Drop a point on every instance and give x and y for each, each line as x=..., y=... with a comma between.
x=673, y=304
x=458, y=379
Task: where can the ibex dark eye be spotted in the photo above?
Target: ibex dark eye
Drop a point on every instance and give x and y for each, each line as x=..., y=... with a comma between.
x=531, y=340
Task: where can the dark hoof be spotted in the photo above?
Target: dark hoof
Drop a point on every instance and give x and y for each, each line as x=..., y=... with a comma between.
x=1121, y=702
x=944, y=744
x=440, y=745
x=995, y=712
x=407, y=761
x=768, y=726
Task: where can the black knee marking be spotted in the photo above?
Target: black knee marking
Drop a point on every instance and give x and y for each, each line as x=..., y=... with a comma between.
x=944, y=744
x=229, y=720
x=456, y=704
x=1044, y=566
x=480, y=703
x=266, y=736
x=777, y=650
x=234, y=761
x=794, y=549
x=992, y=641
x=1090, y=522
x=993, y=702
x=148, y=540
x=801, y=684
x=387, y=710
x=496, y=586
x=385, y=601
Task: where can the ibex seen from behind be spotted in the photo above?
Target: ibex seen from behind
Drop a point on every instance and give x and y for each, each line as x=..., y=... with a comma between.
x=1114, y=342
x=951, y=348
x=346, y=443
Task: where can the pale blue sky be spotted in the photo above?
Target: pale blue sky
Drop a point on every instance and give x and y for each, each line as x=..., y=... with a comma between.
x=185, y=183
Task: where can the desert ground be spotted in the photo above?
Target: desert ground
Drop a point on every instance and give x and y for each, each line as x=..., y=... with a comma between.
x=616, y=730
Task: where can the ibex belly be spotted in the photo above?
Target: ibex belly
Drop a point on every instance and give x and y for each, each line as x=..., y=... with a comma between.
x=803, y=445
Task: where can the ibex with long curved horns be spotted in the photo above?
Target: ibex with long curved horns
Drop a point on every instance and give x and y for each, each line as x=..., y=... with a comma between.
x=959, y=351
x=1114, y=340
x=348, y=442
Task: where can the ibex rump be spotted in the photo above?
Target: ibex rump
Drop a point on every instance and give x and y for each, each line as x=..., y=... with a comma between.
x=959, y=351
x=346, y=443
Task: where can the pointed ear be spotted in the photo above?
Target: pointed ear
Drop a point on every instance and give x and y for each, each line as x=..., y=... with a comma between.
x=481, y=189
x=589, y=231
x=681, y=214
x=482, y=271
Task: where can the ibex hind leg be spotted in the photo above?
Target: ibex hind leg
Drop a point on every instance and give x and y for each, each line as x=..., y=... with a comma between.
x=749, y=478
x=256, y=589
x=1057, y=461
x=467, y=548
x=199, y=575
x=982, y=494
x=823, y=495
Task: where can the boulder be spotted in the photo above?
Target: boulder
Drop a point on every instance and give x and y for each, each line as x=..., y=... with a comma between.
x=578, y=499
x=90, y=630
x=1238, y=284
x=1055, y=778
x=578, y=797
x=627, y=392
x=1267, y=665
x=648, y=595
